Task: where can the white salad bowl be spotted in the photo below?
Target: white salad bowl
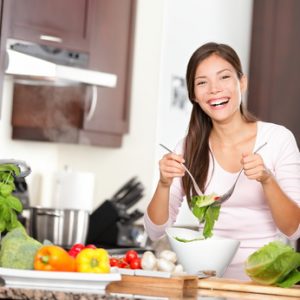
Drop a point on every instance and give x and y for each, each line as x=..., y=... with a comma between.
x=214, y=253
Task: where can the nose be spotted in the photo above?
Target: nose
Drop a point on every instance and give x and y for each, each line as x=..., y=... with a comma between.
x=215, y=87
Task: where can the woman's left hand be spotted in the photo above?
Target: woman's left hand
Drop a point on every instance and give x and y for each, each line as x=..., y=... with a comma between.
x=254, y=167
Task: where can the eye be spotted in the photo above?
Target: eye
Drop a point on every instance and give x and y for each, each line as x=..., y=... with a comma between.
x=225, y=76
x=202, y=82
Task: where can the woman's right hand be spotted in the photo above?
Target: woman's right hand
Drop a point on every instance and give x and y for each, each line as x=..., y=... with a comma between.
x=170, y=166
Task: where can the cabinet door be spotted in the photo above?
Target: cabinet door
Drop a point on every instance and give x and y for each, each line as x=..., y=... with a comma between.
x=111, y=51
x=274, y=64
x=47, y=112
x=53, y=22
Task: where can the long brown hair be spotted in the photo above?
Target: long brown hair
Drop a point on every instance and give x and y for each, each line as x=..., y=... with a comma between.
x=196, y=147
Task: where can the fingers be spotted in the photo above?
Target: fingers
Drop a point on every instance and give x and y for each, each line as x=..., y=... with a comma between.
x=254, y=167
x=171, y=166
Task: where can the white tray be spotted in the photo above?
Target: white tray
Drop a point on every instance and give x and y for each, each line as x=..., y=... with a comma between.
x=139, y=272
x=67, y=281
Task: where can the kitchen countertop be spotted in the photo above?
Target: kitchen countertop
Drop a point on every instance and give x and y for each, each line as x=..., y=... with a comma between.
x=36, y=294
x=135, y=293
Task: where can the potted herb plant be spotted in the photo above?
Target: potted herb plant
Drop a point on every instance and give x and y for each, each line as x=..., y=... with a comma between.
x=10, y=206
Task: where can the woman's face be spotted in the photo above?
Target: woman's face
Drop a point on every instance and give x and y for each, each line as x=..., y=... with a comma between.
x=218, y=89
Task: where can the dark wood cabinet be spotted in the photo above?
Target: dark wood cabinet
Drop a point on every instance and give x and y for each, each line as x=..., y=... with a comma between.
x=105, y=30
x=275, y=63
x=111, y=51
x=54, y=22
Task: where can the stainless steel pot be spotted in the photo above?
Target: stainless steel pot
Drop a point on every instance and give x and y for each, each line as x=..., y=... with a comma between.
x=63, y=227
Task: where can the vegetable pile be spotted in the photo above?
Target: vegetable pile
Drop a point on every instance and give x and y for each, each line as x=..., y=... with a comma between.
x=87, y=259
x=274, y=264
x=165, y=261
x=130, y=260
x=20, y=251
x=207, y=209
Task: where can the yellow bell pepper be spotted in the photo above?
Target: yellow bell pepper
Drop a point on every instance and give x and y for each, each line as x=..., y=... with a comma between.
x=93, y=261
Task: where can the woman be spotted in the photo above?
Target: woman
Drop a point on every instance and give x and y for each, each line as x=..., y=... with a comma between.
x=221, y=139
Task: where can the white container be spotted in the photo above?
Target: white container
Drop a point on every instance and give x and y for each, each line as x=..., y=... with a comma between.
x=214, y=253
x=73, y=190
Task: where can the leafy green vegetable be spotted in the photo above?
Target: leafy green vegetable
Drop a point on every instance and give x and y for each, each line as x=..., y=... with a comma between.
x=186, y=240
x=18, y=250
x=9, y=204
x=290, y=280
x=207, y=210
x=275, y=264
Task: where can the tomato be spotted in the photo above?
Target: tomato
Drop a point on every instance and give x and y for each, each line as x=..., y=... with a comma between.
x=76, y=248
x=136, y=263
x=130, y=255
x=90, y=246
x=114, y=262
x=123, y=264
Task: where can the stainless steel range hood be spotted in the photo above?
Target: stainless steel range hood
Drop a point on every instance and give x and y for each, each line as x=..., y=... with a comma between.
x=30, y=59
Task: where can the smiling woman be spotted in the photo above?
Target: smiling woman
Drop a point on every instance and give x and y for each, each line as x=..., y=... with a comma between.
x=221, y=140
x=222, y=77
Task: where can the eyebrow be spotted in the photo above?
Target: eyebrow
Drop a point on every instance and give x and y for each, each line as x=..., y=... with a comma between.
x=221, y=71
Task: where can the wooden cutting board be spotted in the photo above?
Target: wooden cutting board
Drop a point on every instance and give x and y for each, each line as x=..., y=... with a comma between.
x=178, y=282
x=181, y=287
x=246, y=286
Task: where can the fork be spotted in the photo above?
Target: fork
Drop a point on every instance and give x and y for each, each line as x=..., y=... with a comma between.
x=228, y=194
x=196, y=186
x=225, y=196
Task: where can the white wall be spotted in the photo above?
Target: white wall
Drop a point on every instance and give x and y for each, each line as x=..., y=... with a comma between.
x=187, y=25
x=167, y=31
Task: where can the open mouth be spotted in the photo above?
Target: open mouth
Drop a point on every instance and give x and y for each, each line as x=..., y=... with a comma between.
x=219, y=102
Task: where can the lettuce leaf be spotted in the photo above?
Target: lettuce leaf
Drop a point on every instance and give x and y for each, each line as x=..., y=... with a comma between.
x=275, y=264
x=290, y=280
x=206, y=210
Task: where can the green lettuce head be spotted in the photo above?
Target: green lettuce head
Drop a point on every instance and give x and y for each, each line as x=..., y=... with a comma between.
x=275, y=264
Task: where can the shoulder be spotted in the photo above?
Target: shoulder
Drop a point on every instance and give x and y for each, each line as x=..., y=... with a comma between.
x=272, y=131
x=281, y=141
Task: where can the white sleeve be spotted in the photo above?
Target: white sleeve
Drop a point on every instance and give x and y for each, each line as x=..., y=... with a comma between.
x=287, y=165
x=287, y=169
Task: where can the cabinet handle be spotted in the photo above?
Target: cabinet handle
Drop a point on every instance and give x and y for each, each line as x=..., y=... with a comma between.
x=51, y=38
x=93, y=103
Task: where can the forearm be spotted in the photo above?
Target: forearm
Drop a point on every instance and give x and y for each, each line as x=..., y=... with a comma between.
x=285, y=212
x=158, y=208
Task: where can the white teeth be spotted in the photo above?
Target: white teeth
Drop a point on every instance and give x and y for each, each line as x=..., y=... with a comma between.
x=219, y=103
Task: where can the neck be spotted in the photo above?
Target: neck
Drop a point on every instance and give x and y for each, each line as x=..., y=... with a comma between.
x=229, y=133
